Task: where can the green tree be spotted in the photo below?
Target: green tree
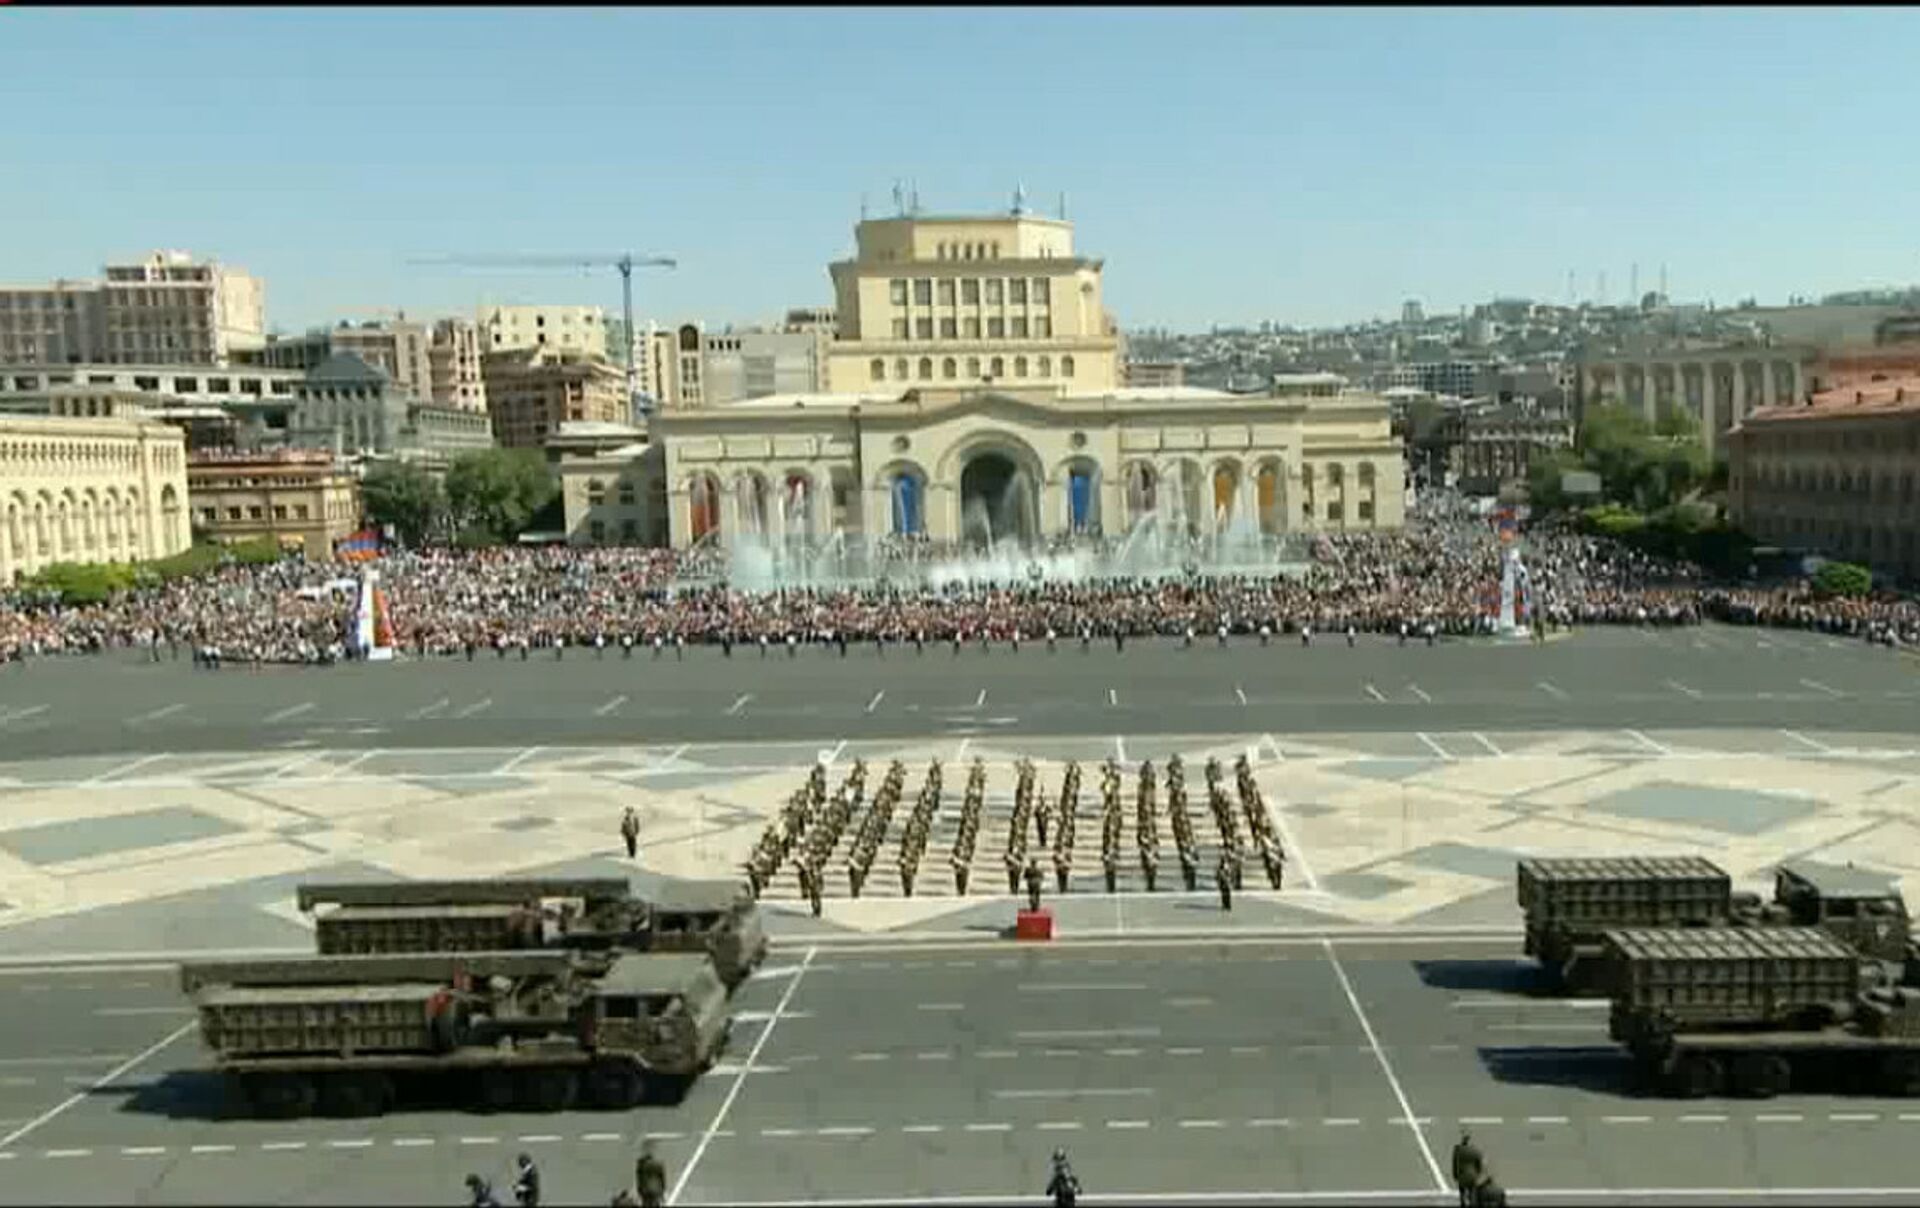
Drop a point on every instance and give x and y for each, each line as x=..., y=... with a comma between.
x=405, y=496
x=497, y=491
x=84, y=583
x=1843, y=579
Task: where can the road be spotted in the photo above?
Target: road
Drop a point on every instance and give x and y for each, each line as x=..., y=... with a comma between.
x=1711, y=676
x=1254, y=1070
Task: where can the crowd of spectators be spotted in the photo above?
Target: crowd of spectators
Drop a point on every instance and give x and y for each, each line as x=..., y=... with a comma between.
x=1441, y=573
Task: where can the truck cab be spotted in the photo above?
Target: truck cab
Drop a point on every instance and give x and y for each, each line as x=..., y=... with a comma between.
x=717, y=917
x=1863, y=910
x=669, y=1010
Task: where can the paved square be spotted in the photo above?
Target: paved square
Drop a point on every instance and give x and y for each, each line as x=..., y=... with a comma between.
x=84, y=839
x=1734, y=811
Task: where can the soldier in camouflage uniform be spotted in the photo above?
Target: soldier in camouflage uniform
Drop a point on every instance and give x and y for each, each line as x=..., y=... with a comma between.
x=1146, y=829
x=1016, y=857
x=1183, y=836
x=969, y=834
x=1111, y=823
x=1064, y=828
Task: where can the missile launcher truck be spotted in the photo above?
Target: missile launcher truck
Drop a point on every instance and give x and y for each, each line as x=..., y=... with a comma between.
x=349, y=1035
x=715, y=917
x=1754, y=1011
x=1570, y=904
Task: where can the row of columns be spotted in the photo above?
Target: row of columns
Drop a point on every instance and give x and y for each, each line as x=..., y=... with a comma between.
x=1743, y=384
x=39, y=535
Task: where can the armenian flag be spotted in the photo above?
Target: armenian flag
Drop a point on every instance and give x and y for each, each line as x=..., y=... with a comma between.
x=358, y=547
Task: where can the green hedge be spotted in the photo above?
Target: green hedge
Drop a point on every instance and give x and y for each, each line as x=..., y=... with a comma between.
x=98, y=582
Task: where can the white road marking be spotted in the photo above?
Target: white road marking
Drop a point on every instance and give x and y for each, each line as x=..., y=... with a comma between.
x=1374, y=693
x=615, y=704
x=481, y=707
x=1484, y=741
x=1386, y=1067
x=13, y=715
x=1542, y=1027
x=157, y=714
x=353, y=763
x=1202, y=1123
x=832, y=757
x=1577, y=1004
x=212, y=1149
x=418, y=1142
x=933, y=1055
x=1058, y=1125
x=1279, y=756
x=1548, y=687
x=875, y=702
x=1078, y=987
x=960, y=752
x=733, y=1093
x=1241, y=693
x=1703, y=1118
x=1113, y=697
x=107, y=1080
x=424, y=711
x=672, y=758
x=1087, y=1033
x=124, y=768
x=1798, y=737
x=996, y=1054
x=110, y=1012
x=479, y=1140
x=142, y=1151
x=1625, y=1119
x=1270, y=1122
x=989, y=1128
x=1340, y=1121
x=846, y=1131
x=733, y=710
x=1483, y=1119
x=1420, y=692
x=1682, y=688
x=1120, y=748
x=980, y=701
x=290, y=711
x=1852, y=1117
x=1817, y=686
x=1123, y=1052
x=871, y=1056
x=1547, y=1120
x=1779, y=1118
x=1185, y=1051
x=1433, y=746
x=942, y=1006
x=62, y=1061
x=1120, y=1092
x=363, y=1143
x=1289, y=844
x=1129, y=1124
x=781, y=1132
x=507, y=767
x=1657, y=748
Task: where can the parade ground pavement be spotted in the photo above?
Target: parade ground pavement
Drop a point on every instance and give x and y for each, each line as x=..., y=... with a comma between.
x=1325, y=1041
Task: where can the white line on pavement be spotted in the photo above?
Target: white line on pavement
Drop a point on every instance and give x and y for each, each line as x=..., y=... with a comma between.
x=106, y=1080
x=943, y=1006
x=1642, y=739
x=1079, y=987
x=1113, y=696
x=124, y=768
x=1086, y=1033
x=1090, y=1092
x=1241, y=693
x=980, y=701
x=157, y=714
x=481, y=707
x=1374, y=693
x=1677, y=686
x=1812, y=744
x=733, y=1093
x=1386, y=1067
x=13, y=715
x=1279, y=756
x=733, y=710
x=517, y=760
x=1548, y=688
x=832, y=757
x=117, y=1012
x=1120, y=748
x=351, y=764
x=420, y=714
x=672, y=758
x=611, y=705
x=1433, y=746
x=1420, y=692
x=960, y=752
x=290, y=711
x=1817, y=686
x=875, y=702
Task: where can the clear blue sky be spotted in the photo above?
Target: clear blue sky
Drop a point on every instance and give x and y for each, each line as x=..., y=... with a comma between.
x=1231, y=166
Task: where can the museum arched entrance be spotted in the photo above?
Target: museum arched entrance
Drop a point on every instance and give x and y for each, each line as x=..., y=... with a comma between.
x=999, y=501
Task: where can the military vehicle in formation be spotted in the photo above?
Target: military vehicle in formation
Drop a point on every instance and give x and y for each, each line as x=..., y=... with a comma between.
x=1754, y=1011
x=1571, y=903
x=526, y=1030
x=719, y=918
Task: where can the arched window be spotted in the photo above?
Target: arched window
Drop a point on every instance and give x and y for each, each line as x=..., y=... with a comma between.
x=1019, y=367
x=906, y=504
x=926, y=369
x=1066, y=367
x=900, y=368
x=973, y=367
x=997, y=368
x=1045, y=368
x=878, y=369
x=948, y=369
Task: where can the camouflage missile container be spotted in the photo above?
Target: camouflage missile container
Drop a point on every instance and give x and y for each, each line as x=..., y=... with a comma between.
x=1571, y=903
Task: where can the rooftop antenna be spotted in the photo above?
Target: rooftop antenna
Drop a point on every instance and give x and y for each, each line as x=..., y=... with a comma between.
x=1570, y=287
x=863, y=207
x=1063, y=206
x=1019, y=200
x=1663, y=282
x=899, y=199
x=1633, y=285
x=914, y=193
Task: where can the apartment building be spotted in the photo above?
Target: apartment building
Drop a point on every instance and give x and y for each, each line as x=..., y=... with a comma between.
x=167, y=309
x=532, y=392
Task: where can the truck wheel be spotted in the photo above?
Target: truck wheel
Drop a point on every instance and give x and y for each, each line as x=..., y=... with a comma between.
x=1697, y=1076
x=278, y=1096
x=614, y=1086
x=550, y=1090
x=1900, y=1075
x=1761, y=1075
x=353, y=1095
x=667, y=1090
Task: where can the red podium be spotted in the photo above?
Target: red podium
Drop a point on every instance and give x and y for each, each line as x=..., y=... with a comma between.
x=1033, y=925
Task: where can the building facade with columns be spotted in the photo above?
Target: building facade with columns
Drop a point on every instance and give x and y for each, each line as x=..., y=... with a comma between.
x=1032, y=463
x=1839, y=474
x=1719, y=387
x=89, y=490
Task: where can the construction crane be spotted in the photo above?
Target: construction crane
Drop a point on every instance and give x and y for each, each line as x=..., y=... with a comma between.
x=624, y=263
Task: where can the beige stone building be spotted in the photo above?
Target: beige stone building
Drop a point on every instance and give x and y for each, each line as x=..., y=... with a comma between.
x=943, y=302
x=453, y=362
x=563, y=328
x=1496, y=448
x=688, y=366
x=168, y=309
x=303, y=500
x=1154, y=375
x=89, y=490
x=532, y=392
x=1836, y=475
x=1719, y=387
x=1048, y=461
x=614, y=493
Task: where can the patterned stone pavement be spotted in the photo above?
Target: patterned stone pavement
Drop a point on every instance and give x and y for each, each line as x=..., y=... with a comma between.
x=180, y=852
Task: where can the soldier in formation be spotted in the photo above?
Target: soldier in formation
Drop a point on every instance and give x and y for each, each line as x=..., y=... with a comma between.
x=1146, y=829
x=1112, y=821
x=968, y=836
x=1183, y=837
x=650, y=1178
x=1223, y=821
x=913, y=845
x=873, y=827
x=1064, y=825
x=1266, y=841
x=823, y=835
x=1016, y=857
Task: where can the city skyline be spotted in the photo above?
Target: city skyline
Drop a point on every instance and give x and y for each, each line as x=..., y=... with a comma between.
x=1341, y=182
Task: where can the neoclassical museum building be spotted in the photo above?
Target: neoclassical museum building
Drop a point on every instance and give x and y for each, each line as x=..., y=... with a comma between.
x=973, y=389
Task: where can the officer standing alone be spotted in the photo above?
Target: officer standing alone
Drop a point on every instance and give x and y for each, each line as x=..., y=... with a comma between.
x=630, y=831
x=650, y=1178
x=1468, y=1166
